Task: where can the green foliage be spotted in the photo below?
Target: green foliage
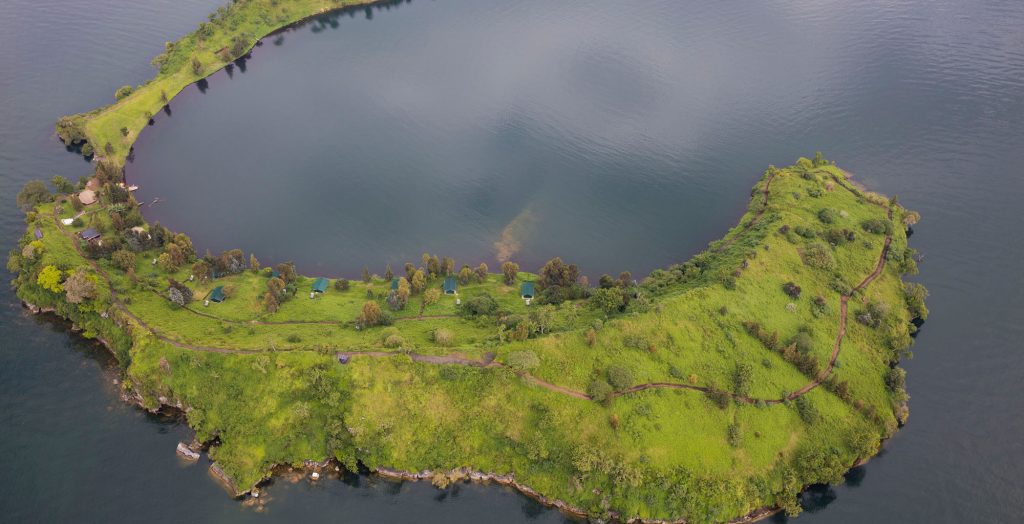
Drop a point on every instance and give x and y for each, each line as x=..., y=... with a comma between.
x=828, y=215
x=50, y=279
x=523, y=361
x=620, y=377
x=483, y=304
x=818, y=255
x=607, y=300
x=122, y=93
x=808, y=412
x=878, y=226
x=915, y=295
x=599, y=390
x=32, y=194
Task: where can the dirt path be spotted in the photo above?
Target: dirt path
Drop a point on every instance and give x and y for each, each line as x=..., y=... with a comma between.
x=489, y=362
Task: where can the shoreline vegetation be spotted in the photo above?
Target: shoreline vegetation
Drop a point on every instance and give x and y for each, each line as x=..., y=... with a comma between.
x=712, y=390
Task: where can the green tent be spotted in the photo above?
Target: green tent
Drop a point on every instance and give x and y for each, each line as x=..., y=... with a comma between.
x=218, y=294
x=450, y=287
x=526, y=290
x=320, y=285
x=394, y=283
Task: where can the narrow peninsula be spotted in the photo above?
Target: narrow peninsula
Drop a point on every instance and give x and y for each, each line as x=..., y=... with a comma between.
x=711, y=390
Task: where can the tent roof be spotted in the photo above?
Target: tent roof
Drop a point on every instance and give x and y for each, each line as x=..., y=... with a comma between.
x=217, y=295
x=320, y=285
x=527, y=289
x=450, y=284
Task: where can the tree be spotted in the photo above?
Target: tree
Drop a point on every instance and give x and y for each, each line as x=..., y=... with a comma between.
x=419, y=281
x=448, y=266
x=32, y=194
x=341, y=284
x=166, y=261
x=366, y=275
x=465, y=275
x=178, y=293
x=599, y=391
x=371, y=315
x=80, y=287
x=510, y=270
x=123, y=259
x=915, y=294
x=197, y=66
x=608, y=300
x=431, y=296
x=270, y=302
x=122, y=93
x=558, y=273
x=808, y=412
x=433, y=266
x=276, y=286
x=741, y=378
x=388, y=274
x=791, y=289
x=201, y=270
x=108, y=148
x=49, y=279
x=543, y=318
x=522, y=361
x=482, y=304
x=254, y=263
x=62, y=185
x=620, y=377
x=481, y=272
x=287, y=272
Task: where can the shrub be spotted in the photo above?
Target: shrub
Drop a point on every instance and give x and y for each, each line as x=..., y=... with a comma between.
x=599, y=390
x=620, y=377
x=818, y=306
x=371, y=315
x=608, y=300
x=915, y=294
x=742, y=377
x=522, y=361
x=808, y=413
x=123, y=259
x=791, y=289
x=839, y=237
x=122, y=92
x=443, y=337
x=294, y=339
x=734, y=437
x=818, y=255
x=342, y=284
x=803, y=342
x=719, y=397
x=877, y=226
x=828, y=215
x=394, y=341
x=482, y=304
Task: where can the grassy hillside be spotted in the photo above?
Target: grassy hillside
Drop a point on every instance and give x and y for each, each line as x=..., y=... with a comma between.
x=719, y=389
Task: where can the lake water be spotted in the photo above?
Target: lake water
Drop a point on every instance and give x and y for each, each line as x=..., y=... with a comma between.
x=617, y=135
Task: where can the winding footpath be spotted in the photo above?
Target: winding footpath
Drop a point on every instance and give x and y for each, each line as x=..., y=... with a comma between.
x=489, y=359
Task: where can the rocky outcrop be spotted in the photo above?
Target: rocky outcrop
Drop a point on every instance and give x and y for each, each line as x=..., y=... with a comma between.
x=186, y=453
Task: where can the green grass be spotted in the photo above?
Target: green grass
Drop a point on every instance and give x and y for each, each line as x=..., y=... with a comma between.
x=282, y=397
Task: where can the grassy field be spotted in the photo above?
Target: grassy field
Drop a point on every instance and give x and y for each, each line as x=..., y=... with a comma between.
x=269, y=388
x=729, y=395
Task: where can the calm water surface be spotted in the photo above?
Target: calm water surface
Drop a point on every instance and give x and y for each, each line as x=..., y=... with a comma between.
x=619, y=135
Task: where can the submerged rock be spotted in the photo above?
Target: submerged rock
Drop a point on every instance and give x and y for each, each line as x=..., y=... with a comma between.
x=187, y=453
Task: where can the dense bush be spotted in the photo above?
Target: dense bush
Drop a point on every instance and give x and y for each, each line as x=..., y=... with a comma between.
x=482, y=304
x=877, y=226
x=599, y=390
x=791, y=289
x=620, y=377
x=818, y=255
x=523, y=361
x=808, y=412
x=443, y=337
x=828, y=215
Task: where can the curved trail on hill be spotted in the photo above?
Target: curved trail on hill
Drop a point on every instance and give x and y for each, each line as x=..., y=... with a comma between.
x=489, y=361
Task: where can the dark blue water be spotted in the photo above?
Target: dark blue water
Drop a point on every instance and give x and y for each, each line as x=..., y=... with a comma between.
x=621, y=135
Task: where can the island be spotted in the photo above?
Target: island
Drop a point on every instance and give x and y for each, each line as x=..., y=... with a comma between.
x=708, y=391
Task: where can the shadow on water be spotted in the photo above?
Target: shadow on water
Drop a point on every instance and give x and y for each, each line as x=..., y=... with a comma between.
x=203, y=84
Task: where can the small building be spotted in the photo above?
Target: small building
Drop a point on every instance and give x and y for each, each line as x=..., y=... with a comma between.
x=451, y=286
x=527, y=291
x=87, y=197
x=218, y=295
x=89, y=234
x=320, y=285
x=39, y=234
x=275, y=273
